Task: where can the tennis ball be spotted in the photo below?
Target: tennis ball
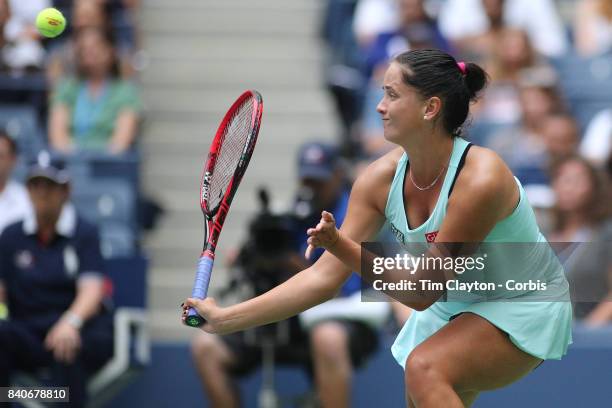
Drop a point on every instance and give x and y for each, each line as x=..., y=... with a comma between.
x=50, y=22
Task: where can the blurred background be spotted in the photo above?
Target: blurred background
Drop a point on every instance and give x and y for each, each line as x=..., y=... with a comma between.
x=167, y=71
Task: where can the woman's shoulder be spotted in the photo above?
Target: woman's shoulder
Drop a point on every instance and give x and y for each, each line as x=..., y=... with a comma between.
x=125, y=93
x=486, y=176
x=68, y=82
x=66, y=90
x=382, y=170
x=124, y=86
x=483, y=164
x=375, y=180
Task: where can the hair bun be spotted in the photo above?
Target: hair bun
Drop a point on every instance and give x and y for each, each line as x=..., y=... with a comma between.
x=475, y=78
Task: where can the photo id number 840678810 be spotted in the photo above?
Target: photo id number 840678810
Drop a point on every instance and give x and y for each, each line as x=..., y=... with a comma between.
x=43, y=394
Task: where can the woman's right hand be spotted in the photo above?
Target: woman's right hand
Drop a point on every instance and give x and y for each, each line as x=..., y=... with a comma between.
x=208, y=309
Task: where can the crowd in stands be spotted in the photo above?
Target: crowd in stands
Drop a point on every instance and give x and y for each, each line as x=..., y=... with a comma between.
x=70, y=113
x=77, y=97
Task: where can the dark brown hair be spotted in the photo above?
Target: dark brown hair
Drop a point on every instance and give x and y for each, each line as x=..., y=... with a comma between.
x=435, y=73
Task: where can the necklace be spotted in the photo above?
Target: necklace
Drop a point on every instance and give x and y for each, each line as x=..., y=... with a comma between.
x=433, y=183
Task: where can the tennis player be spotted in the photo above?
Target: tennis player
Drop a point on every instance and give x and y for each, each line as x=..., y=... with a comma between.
x=436, y=187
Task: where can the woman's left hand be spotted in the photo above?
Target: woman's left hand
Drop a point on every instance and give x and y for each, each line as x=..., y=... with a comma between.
x=324, y=235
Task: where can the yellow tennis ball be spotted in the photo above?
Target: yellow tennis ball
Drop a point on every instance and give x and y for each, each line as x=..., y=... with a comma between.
x=50, y=22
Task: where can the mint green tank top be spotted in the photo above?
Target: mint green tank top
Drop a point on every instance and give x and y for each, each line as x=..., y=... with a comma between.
x=520, y=226
x=537, y=261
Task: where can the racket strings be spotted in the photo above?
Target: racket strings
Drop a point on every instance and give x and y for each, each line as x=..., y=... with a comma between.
x=235, y=137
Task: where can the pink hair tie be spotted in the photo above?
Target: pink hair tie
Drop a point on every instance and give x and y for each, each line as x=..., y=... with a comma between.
x=462, y=67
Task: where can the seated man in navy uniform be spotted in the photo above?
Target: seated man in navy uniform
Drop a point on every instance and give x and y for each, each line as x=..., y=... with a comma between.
x=52, y=288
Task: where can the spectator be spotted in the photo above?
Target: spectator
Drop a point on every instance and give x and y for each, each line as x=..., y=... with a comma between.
x=481, y=46
x=14, y=201
x=593, y=27
x=96, y=110
x=62, y=60
x=522, y=144
x=4, y=18
x=342, y=331
x=597, y=142
x=373, y=17
x=24, y=50
x=461, y=19
x=124, y=18
x=512, y=59
x=416, y=30
x=582, y=206
x=343, y=69
x=561, y=135
x=51, y=274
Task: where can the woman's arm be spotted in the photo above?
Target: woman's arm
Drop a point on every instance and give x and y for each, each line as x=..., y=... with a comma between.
x=485, y=193
x=59, y=125
x=316, y=284
x=64, y=338
x=126, y=127
x=89, y=296
x=584, y=27
x=125, y=132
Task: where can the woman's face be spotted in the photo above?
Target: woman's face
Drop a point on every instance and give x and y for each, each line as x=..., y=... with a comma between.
x=573, y=186
x=536, y=104
x=95, y=54
x=411, y=11
x=401, y=108
x=560, y=136
x=514, y=49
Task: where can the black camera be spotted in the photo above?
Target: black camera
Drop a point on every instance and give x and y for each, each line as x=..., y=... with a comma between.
x=264, y=259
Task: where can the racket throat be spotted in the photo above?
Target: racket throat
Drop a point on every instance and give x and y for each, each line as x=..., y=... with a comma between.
x=208, y=253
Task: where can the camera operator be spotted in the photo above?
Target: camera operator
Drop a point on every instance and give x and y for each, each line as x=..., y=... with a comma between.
x=342, y=331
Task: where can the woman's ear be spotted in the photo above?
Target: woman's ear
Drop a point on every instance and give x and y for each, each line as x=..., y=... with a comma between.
x=433, y=106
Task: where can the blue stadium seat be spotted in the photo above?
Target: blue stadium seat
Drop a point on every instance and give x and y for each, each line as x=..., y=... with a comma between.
x=21, y=123
x=479, y=132
x=117, y=240
x=94, y=165
x=587, y=84
x=106, y=201
x=132, y=343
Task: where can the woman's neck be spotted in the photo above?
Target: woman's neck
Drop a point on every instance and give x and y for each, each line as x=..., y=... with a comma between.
x=97, y=80
x=428, y=154
x=96, y=85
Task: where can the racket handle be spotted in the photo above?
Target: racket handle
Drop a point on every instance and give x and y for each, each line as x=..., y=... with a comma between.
x=200, y=289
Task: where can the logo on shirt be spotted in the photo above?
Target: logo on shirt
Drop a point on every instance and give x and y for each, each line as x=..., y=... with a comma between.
x=398, y=234
x=71, y=261
x=431, y=236
x=24, y=259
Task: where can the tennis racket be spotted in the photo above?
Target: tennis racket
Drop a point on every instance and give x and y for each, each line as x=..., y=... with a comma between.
x=227, y=162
